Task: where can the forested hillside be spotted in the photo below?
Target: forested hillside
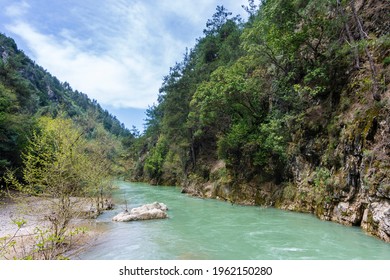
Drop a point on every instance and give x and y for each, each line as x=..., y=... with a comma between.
x=59, y=150
x=290, y=109
x=28, y=92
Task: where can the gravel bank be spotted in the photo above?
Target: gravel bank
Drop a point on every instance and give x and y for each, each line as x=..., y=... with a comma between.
x=33, y=210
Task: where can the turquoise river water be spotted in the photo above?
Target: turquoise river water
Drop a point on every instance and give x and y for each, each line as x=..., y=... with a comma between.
x=211, y=229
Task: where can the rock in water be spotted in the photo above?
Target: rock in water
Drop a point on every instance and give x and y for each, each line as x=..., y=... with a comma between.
x=151, y=211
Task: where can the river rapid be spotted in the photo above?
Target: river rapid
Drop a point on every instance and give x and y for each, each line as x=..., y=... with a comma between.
x=211, y=229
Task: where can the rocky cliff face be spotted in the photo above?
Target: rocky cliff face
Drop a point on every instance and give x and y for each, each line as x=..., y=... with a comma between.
x=350, y=185
x=341, y=173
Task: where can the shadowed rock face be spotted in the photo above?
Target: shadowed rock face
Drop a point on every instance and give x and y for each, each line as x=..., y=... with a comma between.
x=151, y=211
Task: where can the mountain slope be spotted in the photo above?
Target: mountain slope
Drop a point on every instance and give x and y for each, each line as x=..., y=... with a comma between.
x=27, y=91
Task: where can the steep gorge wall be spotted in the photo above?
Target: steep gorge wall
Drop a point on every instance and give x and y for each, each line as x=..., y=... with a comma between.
x=350, y=184
x=339, y=157
x=340, y=171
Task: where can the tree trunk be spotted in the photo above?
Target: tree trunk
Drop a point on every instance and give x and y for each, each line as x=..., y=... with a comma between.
x=363, y=35
x=349, y=34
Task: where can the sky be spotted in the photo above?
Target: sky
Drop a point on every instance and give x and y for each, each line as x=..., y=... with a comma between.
x=115, y=51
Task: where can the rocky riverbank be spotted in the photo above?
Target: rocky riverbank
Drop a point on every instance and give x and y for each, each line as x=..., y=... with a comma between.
x=24, y=225
x=345, y=200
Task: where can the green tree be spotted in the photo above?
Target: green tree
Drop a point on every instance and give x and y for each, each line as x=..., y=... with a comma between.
x=14, y=129
x=155, y=160
x=60, y=165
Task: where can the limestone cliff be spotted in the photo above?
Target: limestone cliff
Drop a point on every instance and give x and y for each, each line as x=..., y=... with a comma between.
x=340, y=173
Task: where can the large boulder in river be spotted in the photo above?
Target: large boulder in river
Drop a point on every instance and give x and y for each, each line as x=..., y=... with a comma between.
x=151, y=211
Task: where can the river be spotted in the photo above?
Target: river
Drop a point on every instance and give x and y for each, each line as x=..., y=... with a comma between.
x=211, y=229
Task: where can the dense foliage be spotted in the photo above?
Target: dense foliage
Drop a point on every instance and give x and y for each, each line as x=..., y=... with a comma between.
x=254, y=99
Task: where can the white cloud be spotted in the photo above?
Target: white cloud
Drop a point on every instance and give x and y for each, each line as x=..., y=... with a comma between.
x=17, y=9
x=124, y=47
x=106, y=78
